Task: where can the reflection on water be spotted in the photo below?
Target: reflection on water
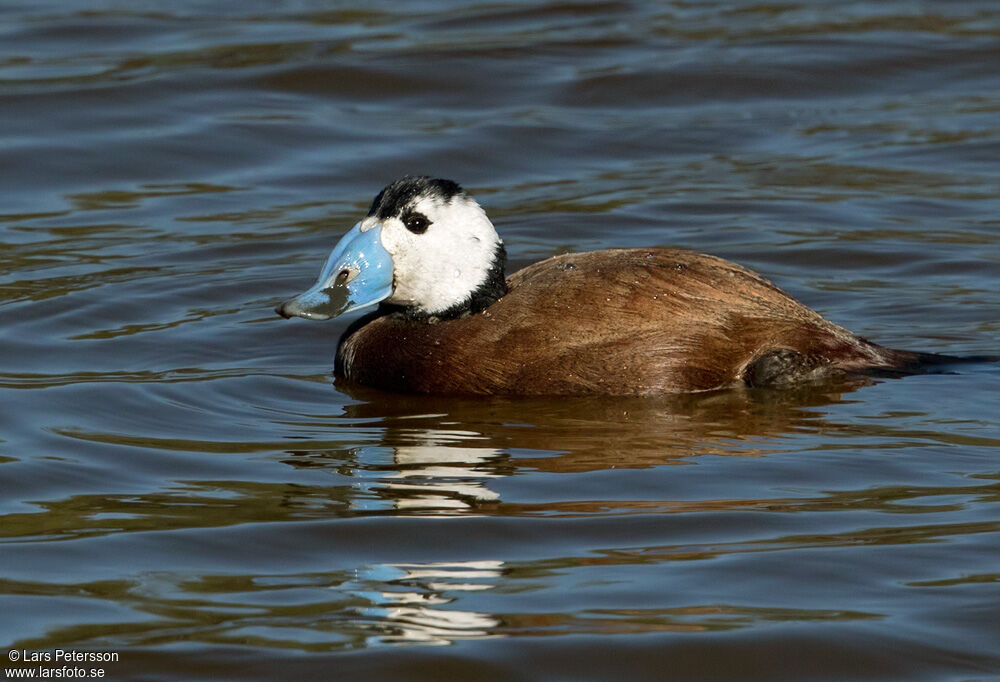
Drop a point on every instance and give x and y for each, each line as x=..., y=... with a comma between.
x=436, y=477
x=378, y=604
x=182, y=480
x=569, y=465
x=440, y=456
x=415, y=610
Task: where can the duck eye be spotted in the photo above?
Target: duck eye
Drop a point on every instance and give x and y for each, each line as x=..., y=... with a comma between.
x=416, y=223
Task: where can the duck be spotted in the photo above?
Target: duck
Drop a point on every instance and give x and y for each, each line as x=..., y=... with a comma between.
x=445, y=319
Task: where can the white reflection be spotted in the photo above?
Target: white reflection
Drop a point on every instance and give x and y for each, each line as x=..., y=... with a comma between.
x=437, y=474
x=414, y=614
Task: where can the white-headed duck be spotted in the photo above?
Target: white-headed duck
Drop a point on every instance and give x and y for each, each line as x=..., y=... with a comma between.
x=615, y=322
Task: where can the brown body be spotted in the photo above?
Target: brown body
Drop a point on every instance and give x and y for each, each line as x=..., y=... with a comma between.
x=615, y=322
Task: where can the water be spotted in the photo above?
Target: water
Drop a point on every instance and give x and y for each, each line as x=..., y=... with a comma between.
x=182, y=482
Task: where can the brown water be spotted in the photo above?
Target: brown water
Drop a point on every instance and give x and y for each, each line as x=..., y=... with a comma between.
x=182, y=482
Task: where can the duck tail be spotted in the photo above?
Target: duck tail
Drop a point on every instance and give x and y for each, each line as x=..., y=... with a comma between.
x=936, y=363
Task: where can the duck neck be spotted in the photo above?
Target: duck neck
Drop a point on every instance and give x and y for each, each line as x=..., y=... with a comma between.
x=489, y=291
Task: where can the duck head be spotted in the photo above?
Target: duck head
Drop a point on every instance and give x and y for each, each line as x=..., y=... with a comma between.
x=425, y=247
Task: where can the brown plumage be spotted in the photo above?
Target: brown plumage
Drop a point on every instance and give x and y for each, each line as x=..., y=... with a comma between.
x=616, y=322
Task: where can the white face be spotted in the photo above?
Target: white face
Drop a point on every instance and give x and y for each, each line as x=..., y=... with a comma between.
x=441, y=267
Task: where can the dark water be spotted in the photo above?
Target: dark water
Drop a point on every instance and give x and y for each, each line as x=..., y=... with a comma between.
x=182, y=482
